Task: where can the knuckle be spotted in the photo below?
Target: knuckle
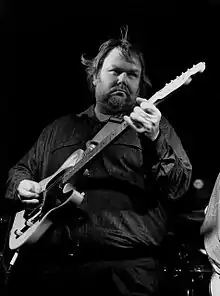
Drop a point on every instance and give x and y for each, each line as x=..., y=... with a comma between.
x=136, y=109
x=144, y=105
x=132, y=115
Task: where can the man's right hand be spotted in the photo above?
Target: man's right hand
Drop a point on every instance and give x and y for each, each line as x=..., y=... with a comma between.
x=29, y=191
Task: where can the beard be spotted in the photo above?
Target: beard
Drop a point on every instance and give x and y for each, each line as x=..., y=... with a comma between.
x=114, y=102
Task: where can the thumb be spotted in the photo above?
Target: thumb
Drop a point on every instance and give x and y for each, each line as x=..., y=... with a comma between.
x=140, y=100
x=35, y=187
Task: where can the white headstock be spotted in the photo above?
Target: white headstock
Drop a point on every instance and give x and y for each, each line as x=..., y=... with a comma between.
x=184, y=78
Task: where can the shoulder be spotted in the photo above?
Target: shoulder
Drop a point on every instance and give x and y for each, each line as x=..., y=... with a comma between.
x=67, y=126
x=72, y=119
x=67, y=122
x=60, y=123
x=165, y=125
x=63, y=121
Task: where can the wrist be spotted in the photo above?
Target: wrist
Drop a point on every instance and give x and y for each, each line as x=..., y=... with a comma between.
x=154, y=137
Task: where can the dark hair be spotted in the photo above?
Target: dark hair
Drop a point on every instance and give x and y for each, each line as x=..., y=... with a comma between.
x=93, y=66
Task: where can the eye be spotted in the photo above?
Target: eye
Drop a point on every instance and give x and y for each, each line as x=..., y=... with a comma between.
x=115, y=72
x=133, y=74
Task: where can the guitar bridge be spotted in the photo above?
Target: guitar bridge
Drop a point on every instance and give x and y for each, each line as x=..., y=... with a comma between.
x=27, y=224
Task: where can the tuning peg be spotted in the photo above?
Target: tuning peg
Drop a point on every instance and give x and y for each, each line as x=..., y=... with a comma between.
x=188, y=81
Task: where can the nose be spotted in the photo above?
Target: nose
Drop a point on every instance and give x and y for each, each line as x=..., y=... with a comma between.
x=122, y=78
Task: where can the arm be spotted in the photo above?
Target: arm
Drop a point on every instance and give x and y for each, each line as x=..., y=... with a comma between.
x=169, y=166
x=165, y=161
x=29, y=167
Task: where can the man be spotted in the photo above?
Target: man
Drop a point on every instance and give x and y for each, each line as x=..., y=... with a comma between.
x=130, y=188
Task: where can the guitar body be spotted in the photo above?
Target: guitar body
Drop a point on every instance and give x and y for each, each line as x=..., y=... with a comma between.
x=30, y=225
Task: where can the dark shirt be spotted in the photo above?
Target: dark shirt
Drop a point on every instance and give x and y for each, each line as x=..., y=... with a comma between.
x=129, y=186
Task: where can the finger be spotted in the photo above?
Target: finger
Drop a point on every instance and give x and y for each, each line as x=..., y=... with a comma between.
x=139, y=116
x=149, y=108
x=138, y=109
x=140, y=100
x=146, y=105
x=144, y=119
x=142, y=122
x=134, y=124
x=30, y=186
x=144, y=116
x=36, y=188
x=30, y=201
x=27, y=193
x=143, y=113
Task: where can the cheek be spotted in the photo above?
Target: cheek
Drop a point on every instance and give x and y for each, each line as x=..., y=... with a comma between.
x=110, y=80
x=134, y=87
x=107, y=78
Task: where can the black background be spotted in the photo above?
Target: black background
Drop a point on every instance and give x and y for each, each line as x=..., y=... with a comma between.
x=43, y=79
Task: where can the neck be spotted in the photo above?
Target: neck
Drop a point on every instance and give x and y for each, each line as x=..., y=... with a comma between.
x=101, y=116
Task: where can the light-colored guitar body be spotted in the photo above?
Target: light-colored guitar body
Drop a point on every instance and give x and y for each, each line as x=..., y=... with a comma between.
x=30, y=230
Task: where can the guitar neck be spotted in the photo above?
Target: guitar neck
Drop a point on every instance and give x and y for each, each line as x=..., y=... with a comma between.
x=158, y=96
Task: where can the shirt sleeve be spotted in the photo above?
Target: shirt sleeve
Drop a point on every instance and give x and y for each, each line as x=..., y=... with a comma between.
x=30, y=166
x=169, y=167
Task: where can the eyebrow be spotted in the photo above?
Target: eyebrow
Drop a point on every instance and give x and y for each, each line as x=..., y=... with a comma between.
x=136, y=70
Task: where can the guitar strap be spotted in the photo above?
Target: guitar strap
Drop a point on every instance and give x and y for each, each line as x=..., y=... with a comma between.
x=210, y=228
x=111, y=129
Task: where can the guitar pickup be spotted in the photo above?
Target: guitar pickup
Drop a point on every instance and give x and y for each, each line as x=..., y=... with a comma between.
x=29, y=223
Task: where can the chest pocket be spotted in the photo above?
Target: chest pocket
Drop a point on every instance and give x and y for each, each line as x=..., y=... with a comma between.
x=124, y=158
x=60, y=154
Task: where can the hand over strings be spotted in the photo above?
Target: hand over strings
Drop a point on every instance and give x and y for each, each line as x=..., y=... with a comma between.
x=145, y=118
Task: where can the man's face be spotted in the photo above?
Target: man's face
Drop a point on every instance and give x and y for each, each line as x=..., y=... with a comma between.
x=117, y=84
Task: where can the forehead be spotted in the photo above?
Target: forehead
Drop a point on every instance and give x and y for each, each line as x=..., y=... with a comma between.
x=116, y=58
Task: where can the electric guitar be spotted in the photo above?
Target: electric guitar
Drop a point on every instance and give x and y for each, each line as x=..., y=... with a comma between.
x=57, y=194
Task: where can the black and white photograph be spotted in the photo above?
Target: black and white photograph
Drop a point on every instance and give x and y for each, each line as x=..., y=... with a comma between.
x=110, y=168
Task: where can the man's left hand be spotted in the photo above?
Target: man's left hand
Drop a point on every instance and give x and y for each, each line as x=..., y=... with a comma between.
x=145, y=118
